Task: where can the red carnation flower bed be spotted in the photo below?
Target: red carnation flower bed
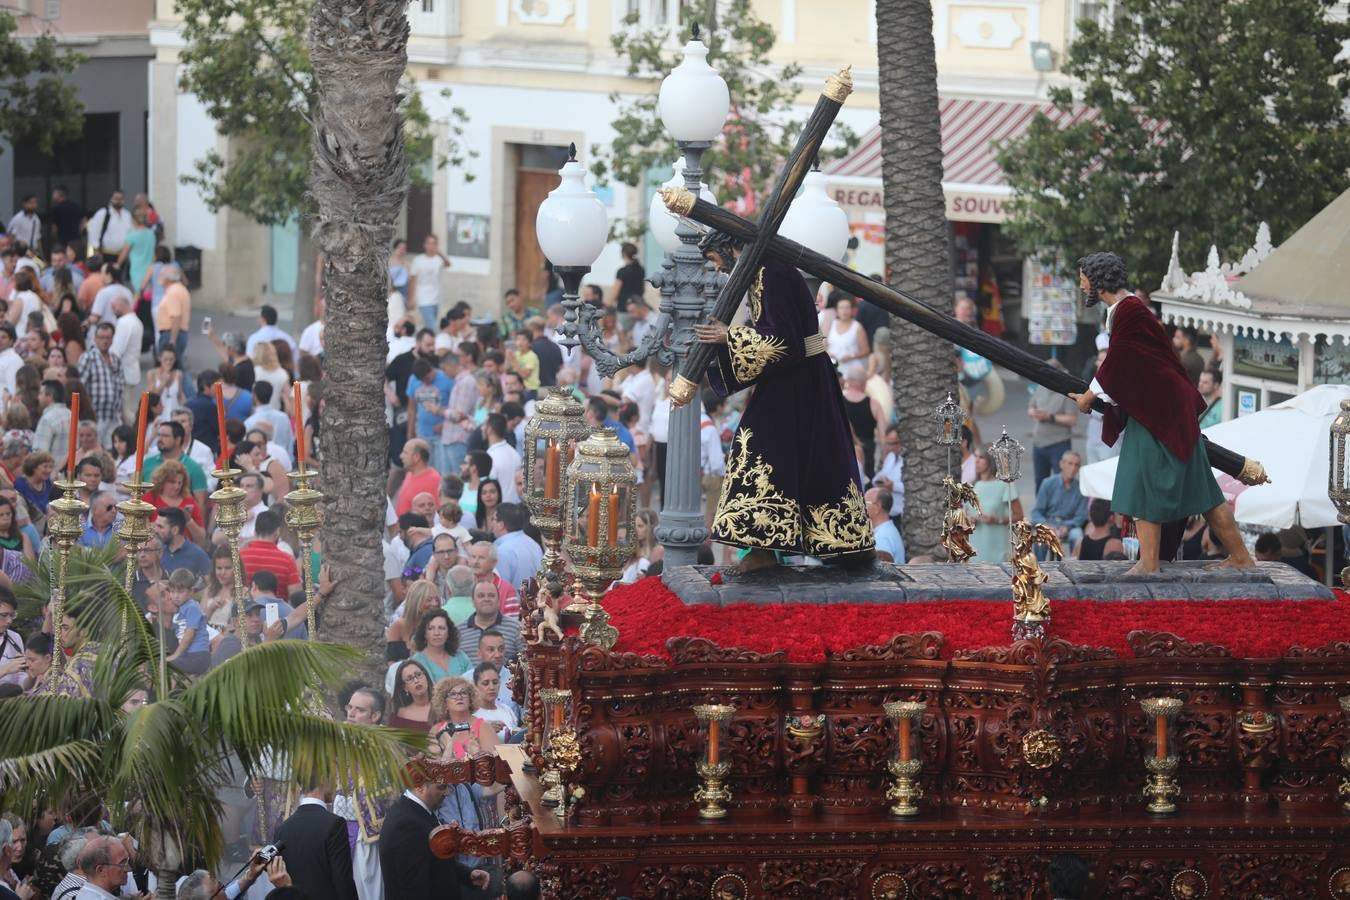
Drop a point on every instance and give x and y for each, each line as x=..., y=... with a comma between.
x=647, y=615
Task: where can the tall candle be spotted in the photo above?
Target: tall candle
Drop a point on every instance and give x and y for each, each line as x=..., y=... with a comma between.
x=299, y=431
x=1161, y=737
x=593, y=517
x=220, y=424
x=557, y=716
x=140, y=432
x=551, y=480
x=614, y=516
x=714, y=741
x=74, y=432
x=904, y=738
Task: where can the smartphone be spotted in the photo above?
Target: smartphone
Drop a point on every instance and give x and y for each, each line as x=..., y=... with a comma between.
x=271, y=614
x=206, y=325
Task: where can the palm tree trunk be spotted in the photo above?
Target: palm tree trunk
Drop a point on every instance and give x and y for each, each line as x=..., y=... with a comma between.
x=359, y=52
x=918, y=255
x=166, y=884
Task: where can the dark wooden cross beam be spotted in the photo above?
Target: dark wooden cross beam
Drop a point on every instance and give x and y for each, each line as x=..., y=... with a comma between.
x=683, y=203
x=696, y=361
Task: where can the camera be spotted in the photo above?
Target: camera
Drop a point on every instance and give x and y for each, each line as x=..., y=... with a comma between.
x=267, y=854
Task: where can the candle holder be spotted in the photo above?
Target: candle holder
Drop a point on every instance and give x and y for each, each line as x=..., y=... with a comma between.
x=1006, y=454
x=231, y=515
x=551, y=438
x=950, y=417
x=65, y=524
x=905, y=793
x=135, y=530
x=552, y=778
x=305, y=515
x=1344, y=789
x=1162, y=787
x=712, y=794
x=601, y=506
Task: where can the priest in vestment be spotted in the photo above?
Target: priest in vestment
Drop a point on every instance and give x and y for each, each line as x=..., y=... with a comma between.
x=1153, y=409
x=792, y=484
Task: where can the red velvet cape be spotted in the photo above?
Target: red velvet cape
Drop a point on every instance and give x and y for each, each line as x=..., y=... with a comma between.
x=1144, y=377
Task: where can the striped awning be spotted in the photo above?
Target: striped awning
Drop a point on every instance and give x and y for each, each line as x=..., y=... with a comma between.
x=969, y=130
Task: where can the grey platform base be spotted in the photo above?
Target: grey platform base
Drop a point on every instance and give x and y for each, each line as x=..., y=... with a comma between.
x=1070, y=580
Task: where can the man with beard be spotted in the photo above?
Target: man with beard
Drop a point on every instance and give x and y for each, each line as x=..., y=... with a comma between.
x=1152, y=406
x=792, y=483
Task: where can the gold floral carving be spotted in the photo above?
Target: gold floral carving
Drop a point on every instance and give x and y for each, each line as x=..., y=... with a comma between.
x=839, y=527
x=1040, y=749
x=757, y=298
x=751, y=511
x=751, y=351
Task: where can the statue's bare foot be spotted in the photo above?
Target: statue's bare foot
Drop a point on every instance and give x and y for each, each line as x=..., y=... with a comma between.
x=1232, y=562
x=756, y=560
x=1140, y=568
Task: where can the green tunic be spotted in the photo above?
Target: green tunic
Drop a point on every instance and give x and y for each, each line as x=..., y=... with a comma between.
x=1154, y=485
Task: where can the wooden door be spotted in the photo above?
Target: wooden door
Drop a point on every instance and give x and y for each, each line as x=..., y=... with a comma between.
x=532, y=187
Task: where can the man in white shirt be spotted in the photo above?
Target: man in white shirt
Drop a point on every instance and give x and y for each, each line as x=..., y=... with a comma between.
x=891, y=475
x=877, y=502
x=112, y=287
x=268, y=331
x=199, y=452
x=311, y=339
x=26, y=226
x=424, y=280
x=109, y=227
x=505, y=458
x=10, y=360
x=105, y=862
x=126, y=347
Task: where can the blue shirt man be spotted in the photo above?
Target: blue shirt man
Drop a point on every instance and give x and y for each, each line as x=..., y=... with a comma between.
x=101, y=525
x=179, y=553
x=428, y=389
x=1060, y=504
x=878, y=502
x=518, y=556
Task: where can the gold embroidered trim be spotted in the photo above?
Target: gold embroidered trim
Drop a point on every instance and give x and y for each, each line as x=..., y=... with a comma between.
x=751, y=351
x=839, y=527
x=813, y=344
x=757, y=298
x=751, y=511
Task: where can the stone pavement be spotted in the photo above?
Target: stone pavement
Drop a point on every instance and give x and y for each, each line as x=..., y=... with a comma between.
x=1071, y=580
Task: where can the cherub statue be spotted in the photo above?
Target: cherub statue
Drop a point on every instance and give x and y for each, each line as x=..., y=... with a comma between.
x=957, y=525
x=1029, y=603
x=547, y=602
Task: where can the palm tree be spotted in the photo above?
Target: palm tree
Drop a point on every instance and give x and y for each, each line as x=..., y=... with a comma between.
x=358, y=181
x=918, y=256
x=160, y=769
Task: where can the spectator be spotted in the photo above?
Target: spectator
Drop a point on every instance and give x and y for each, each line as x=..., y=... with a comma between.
x=170, y=438
x=13, y=662
x=105, y=862
x=265, y=411
x=437, y=644
x=419, y=475
x=1183, y=341
x=515, y=313
x=289, y=621
x=110, y=226
x=12, y=535
x=629, y=281
x=169, y=490
x=1061, y=504
x=1053, y=417
x=1100, y=535
x=891, y=474
x=410, y=705
x=314, y=844
x=199, y=452
x=35, y=484
x=487, y=616
x=503, y=715
x=263, y=555
x=268, y=331
x=126, y=349
x=10, y=360
x=25, y=225
x=1211, y=388
x=518, y=556
x=878, y=503
x=411, y=871
x=457, y=413
x=505, y=458
x=193, y=654
x=101, y=525
x=101, y=373
x=53, y=429
x=175, y=312
x=522, y=885
x=67, y=220
x=458, y=593
x=424, y=280
x=549, y=354
x=597, y=416
x=138, y=254
x=990, y=538
x=179, y=553
x=428, y=394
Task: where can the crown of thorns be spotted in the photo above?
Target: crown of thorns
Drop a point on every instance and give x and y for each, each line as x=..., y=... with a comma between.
x=1105, y=271
x=718, y=242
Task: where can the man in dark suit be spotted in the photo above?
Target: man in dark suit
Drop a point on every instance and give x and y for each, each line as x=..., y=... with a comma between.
x=411, y=871
x=317, y=854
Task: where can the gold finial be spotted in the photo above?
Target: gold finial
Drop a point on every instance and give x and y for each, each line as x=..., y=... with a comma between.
x=682, y=390
x=839, y=85
x=1253, y=472
x=678, y=200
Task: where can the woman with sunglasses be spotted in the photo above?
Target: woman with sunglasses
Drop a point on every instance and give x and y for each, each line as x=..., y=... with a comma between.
x=410, y=706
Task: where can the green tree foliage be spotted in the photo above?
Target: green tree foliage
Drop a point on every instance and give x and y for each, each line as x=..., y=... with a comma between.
x=248, y=62
x=761, y=128
x=1213, y=116
x=36, y=102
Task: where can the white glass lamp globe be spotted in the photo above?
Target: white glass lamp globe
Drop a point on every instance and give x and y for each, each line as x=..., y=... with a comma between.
x=816, y=221
x=572, y=225
x=660, y=222
x=694, y=101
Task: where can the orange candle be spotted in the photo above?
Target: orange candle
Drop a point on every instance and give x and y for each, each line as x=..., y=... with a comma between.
x=904, y=738
x=220, y=424
x=74, y=432
x=614, y=516
x=1161, y=737
x=140, y=432
x=593, y=517
x=551, y=481
x=557, y=716
x=714, y=741
x=299, y=431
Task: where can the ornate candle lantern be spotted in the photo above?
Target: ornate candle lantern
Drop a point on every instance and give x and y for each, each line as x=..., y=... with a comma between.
x=712, y=794
x=905, y=766
x=230, y=518
x=1344, y=789
x=305, y=515
x=950, y=417
x=598, y=524
x=65, y=524
x=1162, y=788
x=551, y=438
x=1006, y=454
x=1338, y=478
x=557, y=746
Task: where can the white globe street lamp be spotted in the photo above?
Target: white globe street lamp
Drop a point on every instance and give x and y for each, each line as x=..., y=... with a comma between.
x=816, y=221
x=572, y=227
x=694, y=100
x=660, y=222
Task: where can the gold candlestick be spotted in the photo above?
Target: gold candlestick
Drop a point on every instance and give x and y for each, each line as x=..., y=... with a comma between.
x=1344, y=789
x=303, y=513
x=905, y=766
x=713, y=794
x=555, y=704
x=135, y=530
x=230, y=518
x=1162, y=787
x=65, y=523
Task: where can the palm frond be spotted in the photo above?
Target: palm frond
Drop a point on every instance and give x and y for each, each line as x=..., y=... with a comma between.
x=86, y=569
x=71, y=768
x=277, y=675
x=313, y=748
x=33, y=723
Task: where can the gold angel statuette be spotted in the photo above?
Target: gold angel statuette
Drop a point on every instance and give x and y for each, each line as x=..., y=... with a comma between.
x=1029, y=603
x=957, y=525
